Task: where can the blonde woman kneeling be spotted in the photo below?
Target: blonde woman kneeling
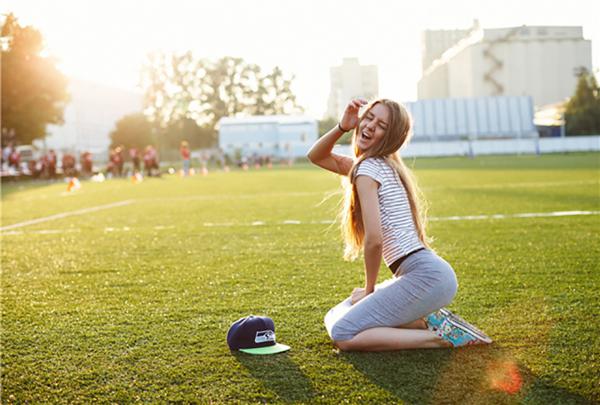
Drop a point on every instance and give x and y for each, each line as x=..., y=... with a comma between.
x=382, y=217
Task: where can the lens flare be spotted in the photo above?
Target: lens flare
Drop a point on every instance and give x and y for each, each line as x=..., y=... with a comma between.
x=505, y=376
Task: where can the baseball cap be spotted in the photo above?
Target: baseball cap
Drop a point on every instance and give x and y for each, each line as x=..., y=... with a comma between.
x=254, y=335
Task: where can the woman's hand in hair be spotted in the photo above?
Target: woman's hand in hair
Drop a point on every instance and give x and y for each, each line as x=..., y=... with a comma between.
x=358, y=294
x=350, y=118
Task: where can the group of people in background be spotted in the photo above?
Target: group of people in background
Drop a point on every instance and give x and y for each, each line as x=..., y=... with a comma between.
x=46, y=166
x=121, y=162
x=116, y=161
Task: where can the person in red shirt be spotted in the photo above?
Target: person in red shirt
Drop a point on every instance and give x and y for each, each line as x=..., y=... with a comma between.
x=184, y=149
x=151, y=161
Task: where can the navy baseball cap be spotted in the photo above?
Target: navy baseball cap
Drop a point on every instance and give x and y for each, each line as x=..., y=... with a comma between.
x=254, y=335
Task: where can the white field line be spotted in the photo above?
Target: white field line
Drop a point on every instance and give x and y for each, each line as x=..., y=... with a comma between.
x=522, y=215
x=202, y=197
x=66, y=214
x=326, y=222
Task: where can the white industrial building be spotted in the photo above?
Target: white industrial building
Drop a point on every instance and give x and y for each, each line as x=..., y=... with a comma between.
x=536, y=61
x=89, y=118
x=453, y=119
x=278, y=136
x=435, y=42
x=348, y=81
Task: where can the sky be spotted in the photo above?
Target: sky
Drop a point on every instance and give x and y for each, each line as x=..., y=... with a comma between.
x=106, y=41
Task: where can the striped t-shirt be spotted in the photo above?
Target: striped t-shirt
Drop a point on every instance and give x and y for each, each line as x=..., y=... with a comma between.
x=400, y=235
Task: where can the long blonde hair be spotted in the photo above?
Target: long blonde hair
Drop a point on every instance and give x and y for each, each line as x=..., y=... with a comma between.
x=397, y=134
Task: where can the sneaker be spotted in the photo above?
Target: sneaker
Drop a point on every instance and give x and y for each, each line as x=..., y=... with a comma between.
x=461, y=323
x=435, y=319
x=459, y=332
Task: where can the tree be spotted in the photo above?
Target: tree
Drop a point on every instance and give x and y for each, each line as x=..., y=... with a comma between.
x=34, y=91
x=133, y=130
x=188, y=130
x=582, y=113
x=273, y=95
x=181, y=86
x=326, y=124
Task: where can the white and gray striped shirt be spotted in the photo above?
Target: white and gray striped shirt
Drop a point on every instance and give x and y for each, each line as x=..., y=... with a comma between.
x=400, y=235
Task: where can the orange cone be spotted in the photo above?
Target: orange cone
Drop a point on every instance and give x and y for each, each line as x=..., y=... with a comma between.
x=73, y=185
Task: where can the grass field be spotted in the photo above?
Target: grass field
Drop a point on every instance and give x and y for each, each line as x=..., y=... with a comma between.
x=133, y=302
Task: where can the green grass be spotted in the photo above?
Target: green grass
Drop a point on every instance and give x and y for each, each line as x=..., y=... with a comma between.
x=133, y=303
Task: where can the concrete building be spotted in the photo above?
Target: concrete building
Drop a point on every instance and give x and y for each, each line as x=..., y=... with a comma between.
x=90, y=117
x=538, y=61
x=279, y=136
x=435, y=42
x=350, y=80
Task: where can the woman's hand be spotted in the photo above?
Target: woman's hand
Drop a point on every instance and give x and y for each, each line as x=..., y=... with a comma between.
x=358, y=294
x=350, y=118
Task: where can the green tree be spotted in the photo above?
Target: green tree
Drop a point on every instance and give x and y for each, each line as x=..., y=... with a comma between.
x=181, y=86
x=188, y=130
x=34, y=91
x=326, y=124
x=133, y=130
x=273, y=95
x=582, y=113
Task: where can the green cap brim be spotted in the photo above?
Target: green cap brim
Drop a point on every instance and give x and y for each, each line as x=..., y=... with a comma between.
x=276, y=348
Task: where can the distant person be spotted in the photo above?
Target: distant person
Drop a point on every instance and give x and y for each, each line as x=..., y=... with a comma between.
x=382, y=217
x=6, y=151
x=68, y=165
x=151, y=161
x=116, y=161
x=120, y=162
x=51, y=161
x=184, y=150
x=34, y=168
x=14, y=159
x=87, y=163
x=134, y=155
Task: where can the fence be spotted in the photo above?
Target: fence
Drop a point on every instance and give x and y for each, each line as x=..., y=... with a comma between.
x=496, y=146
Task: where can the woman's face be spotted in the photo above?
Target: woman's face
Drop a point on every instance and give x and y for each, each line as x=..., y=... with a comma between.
x=372, y=128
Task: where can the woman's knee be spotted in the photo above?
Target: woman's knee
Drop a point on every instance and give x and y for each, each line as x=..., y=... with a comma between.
x=341, y=333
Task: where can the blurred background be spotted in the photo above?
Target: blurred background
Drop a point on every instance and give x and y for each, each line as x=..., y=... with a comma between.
x=89, y=87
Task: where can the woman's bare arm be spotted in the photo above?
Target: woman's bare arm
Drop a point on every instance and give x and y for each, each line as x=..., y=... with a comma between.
x=321, y=152
x=373, y=240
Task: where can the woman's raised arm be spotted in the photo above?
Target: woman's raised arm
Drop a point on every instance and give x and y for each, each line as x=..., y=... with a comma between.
x=321, y=152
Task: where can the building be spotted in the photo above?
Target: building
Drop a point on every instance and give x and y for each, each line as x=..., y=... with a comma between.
x=278, y=136
x=538, y=61
x=455, y=119
x=348, y=81
x=90, y=117
x=435, y=42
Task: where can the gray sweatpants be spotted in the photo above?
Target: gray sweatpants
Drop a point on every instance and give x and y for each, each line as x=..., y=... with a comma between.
x=423, y=283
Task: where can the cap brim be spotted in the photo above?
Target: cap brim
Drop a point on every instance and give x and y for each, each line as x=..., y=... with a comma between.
x=276, y=348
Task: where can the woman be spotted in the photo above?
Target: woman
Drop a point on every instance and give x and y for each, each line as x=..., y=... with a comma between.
x=382, y=217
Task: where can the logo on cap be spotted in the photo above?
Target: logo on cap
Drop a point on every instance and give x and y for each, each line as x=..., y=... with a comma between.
x=263, y=336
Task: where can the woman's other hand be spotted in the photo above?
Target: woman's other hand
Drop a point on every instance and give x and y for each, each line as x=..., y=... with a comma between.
x=358, y=294
x=350, y=118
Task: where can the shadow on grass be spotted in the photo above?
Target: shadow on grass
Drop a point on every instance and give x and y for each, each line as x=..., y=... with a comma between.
x=482, y=374
x=278, y=373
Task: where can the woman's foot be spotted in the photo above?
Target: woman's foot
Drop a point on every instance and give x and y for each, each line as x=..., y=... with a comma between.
x=434, y=320
x=452, y=328
x=459, y=332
